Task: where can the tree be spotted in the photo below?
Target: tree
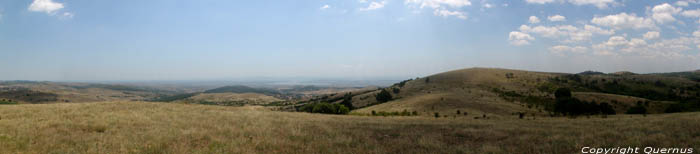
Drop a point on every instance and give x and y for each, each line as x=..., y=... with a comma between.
x=562, y=93
x=325, y=108
x=383, y=96
x=606, y=109
x=347, y=101
x=638, y=109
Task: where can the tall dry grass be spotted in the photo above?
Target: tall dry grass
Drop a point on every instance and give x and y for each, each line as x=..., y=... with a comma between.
x=139, y=127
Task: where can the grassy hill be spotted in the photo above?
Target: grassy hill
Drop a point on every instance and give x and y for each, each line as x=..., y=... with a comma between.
x=242, y=89
x=505, y=92
x=230, y=99
x=141, y=127
x=58, y=92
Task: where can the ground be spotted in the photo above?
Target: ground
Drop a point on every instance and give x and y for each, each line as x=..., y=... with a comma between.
x=143, y=127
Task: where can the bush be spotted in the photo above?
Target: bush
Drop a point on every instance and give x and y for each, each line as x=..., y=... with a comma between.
x=638, y=109
x=606, y=109
x=325, y=108
x=347, y=101
x=383, y=96
x=396, y=90
x=562, y=93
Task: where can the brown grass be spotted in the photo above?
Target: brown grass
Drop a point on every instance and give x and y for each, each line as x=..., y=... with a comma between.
x=139, y=127
x=247, y=98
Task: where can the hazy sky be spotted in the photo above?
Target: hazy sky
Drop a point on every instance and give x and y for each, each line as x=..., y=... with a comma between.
x=355, y=39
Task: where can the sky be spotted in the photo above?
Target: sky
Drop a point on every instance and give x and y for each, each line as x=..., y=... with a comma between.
x=61, y=40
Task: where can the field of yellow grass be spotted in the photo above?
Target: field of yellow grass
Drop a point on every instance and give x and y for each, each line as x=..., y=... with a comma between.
x=141, y=127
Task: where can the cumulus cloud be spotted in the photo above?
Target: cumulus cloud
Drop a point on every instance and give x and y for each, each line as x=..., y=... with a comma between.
x=556, y=18
x=669, y=48
x=571, y=33
x=623, y=21
x=374, y=6
x=691, y=13
x=68, y=15
x=533, y=20
x=46, y=6
x=651, y=35
x=439, y=3
x=696, y=34
x=663, y=13
x=444, y=8
x=487, y=5
x=598, y=30
x=561, y=49
x=682, y=3
x=447, y=13
x=324, y=7
x=539, y=1
x=519, y=38
x=601, y=4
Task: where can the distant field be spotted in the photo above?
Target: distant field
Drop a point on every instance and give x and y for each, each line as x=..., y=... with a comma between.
x=141, y=127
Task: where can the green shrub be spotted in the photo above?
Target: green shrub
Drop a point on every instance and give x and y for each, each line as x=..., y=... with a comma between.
x=325, y=108
x=638, y=109
x=383, y=96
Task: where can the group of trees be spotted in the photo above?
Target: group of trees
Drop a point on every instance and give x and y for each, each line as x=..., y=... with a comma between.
x=567, y=105
x=325, y=108
x=395, y=113
x=383, y=96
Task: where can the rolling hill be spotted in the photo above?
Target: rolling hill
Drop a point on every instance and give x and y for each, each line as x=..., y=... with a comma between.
x=505, y=92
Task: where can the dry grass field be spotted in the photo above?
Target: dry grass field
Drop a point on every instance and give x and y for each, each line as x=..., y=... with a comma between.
x=141, y=127
x=246, y=98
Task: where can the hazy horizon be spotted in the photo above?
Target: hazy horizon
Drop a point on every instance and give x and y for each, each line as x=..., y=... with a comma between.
x=68, y=40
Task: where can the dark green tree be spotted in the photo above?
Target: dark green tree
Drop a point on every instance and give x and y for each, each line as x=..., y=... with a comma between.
x=383, y=96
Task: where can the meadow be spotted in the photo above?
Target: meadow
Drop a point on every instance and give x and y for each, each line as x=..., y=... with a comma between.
x=146, y=127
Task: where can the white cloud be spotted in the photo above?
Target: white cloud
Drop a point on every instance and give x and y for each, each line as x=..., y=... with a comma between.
x=67, y=15
x=446, y=13
x=561, y=49
x=47, y=6
x=691, y=13
x=324, y=7
x=556, y=18
x=651, y=35
x=670, y=48
x=439, y=3
x=681, y=3
x=696, y=34
x=601, y=4
x=663, y=13
x=574, y=34
x=374, y=6
x=624, y=20
x=539, y=1
x=519, y=38
x=487, y=5
x=534, y=20
x=442, y=7
x=598, y=30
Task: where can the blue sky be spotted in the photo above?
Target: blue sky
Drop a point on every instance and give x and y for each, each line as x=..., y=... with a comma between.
x=343, y=39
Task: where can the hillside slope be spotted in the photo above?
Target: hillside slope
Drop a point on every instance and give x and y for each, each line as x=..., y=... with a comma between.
x=141, y=127
x=505, y=92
